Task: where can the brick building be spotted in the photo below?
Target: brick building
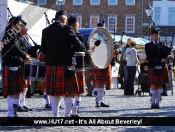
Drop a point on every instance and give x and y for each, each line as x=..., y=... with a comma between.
x=123, y=15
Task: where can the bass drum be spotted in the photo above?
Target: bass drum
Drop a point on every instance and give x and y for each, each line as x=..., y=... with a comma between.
x=103, y=54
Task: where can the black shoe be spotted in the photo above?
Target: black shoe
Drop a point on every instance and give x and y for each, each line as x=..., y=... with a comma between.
x=21, y=109
x=152, y=106
x=28, y=96
x=164, y=94
x=89, y=94
x=98, y=105
x=48, y=106
x=75, y=115
x=104, y=105
x=25, y=107
x=132, y=94
x=157, y=106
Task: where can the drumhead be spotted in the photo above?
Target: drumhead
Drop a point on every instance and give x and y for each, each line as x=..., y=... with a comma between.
x=103, y=54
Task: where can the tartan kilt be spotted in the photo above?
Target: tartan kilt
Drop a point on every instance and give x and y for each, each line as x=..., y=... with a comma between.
x=57, y=84
x=157, y=79
x=81, y=82
x=101, y=75
x=12, y=81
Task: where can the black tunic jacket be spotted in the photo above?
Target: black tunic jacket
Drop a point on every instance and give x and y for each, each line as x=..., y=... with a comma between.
x=14, y=51
x=58, y=44
x=154, y=54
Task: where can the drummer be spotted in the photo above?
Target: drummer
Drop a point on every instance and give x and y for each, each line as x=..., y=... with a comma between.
x=25, y=47
x=13, y=61
x=72, y=21
x=61, y=69
x=100, y=77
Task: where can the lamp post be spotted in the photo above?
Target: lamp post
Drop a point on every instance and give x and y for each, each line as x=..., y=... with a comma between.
x=61, y=1
x=149, y=11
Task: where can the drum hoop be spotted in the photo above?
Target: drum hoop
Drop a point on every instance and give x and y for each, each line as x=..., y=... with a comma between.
x=79, y=54
x=112, y=49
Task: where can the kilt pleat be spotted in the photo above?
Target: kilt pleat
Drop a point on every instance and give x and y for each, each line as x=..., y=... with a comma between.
x=157, y=79
x=101, y=75
x=81, y=82
x=57, y=84
x=12, y=81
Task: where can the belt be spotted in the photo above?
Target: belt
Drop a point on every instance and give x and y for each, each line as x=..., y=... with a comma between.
x=71, y=67
x=13, y=68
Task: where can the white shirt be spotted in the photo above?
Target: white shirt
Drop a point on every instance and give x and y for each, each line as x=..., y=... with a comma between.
x=130, y=57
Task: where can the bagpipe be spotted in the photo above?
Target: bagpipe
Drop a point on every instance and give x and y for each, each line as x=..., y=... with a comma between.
x=33, y=50
x=116, y=46
x=164, y=44
x=168, y=49
x=121, y=39
x=171, y=61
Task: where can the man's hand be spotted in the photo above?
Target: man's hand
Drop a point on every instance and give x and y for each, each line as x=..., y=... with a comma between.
x=27, y=58
x=169, y=57
x=1, y=45
x=116, y=51
x=164, y=60
x=92, y=48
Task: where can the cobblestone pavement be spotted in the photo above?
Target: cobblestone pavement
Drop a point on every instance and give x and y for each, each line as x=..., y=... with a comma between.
x=121, y=106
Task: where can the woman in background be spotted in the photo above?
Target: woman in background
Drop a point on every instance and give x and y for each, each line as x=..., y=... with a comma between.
x=131, y=58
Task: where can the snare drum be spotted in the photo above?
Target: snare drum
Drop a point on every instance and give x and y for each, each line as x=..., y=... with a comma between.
x=38, y=71
x=80, y=61
x=35, y=70
x=27, y=70
x=103, y=54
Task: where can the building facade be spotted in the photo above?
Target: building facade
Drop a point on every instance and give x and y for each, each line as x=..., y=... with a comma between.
x=163, y=16
x=121, y=15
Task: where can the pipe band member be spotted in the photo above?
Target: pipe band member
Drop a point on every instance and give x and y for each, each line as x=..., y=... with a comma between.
x=58, y=41
x=157, y=70
x=13, y=56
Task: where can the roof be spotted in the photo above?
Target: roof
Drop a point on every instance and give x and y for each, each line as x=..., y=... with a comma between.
x=139, y=40
x=33, y=15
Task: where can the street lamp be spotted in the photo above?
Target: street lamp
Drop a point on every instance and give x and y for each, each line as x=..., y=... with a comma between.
x=149, y=11
x=61, y=1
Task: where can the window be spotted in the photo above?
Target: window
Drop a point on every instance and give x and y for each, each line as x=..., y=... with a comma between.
x=77, y=2
x=112, y=2
x=130, y=2
x=95, y=2
x=41, y=2
x=112, y=23
x=93, y=21
x=59, y=3
x=79, y=18
x=157, y=13
x=23, y=0
x=171, y=16
x=130, y=24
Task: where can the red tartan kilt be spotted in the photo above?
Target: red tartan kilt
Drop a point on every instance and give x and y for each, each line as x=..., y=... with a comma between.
x=81, y=82
x=101, y=75
x=57, y=84
x=12, y=81
x=157, y=79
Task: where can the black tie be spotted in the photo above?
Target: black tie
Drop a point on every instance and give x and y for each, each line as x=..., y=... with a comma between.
x=156, y=44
